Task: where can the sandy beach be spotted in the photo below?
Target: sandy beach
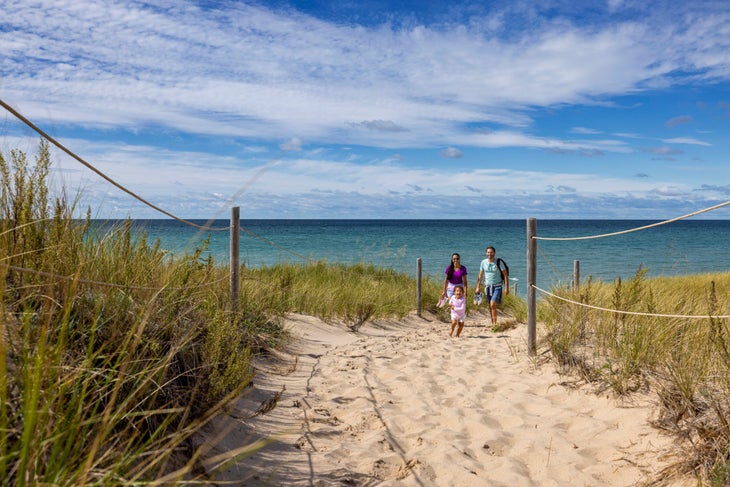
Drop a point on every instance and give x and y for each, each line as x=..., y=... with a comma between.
x=403, y=404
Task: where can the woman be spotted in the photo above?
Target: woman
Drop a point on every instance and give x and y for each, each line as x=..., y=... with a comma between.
x=455, y=276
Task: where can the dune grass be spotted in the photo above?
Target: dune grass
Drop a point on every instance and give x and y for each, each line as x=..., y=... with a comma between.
x=112, y=354
x=684, y=361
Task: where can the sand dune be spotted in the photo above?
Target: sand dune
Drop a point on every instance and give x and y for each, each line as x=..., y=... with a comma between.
x=404, y=404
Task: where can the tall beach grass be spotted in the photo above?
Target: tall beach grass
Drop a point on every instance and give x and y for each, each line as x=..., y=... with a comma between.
x=684, y=362
x=113, y=354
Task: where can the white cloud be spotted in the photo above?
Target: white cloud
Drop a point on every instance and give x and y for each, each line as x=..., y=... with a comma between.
x=685, y=140
x=255, y=79
x=291, y=145
x=451, y=153
x=181, y=181
x=266, y=74
x=584, y=131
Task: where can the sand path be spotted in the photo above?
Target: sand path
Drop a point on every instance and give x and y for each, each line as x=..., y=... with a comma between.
x=403, y=404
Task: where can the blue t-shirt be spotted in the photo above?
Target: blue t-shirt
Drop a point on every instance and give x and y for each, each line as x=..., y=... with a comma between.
x=492, y=275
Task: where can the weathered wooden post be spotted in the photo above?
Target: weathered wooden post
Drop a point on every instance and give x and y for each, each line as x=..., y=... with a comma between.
x=418, y=286
x=576, y=275
x=234, y=257
x=531, y=282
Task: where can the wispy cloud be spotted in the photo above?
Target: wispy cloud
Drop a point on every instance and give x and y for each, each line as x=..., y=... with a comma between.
x=725, y=190
x=585, y=131
x=380, y=125
x=264, y=74
x=681, y=120
x=230, y=87
x=685, y=140
x=663, y=150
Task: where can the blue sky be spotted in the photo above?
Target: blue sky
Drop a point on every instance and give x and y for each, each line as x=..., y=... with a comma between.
x=377, y=109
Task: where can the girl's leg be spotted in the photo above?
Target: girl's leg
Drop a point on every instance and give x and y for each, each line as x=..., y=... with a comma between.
x=461, y=326
x=453, y=325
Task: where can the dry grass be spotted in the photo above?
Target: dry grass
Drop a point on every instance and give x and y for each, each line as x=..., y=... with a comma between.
x=112, y=354
x=684, y=361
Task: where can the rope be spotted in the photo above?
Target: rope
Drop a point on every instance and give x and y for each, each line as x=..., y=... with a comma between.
x=555, y=270
x=645, y=227
x=265, y=240
x=104, y=176
x=134, y=195
x=636, y=313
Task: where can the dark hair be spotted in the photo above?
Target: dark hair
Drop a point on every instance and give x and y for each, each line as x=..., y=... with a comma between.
x=450, y=274
x=491, y=247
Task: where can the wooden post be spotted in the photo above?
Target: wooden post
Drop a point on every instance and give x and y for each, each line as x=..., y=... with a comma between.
x=576, y=275
x=234, y=257
x=531, y=282
x=418, y=286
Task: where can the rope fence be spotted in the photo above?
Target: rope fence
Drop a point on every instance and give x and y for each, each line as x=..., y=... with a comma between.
x=637, y=229
x=635, y=313
x=532, y=248
x=142, y=200
x=234, y=272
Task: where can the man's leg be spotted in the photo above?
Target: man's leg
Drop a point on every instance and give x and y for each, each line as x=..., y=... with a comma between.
x=496, y=299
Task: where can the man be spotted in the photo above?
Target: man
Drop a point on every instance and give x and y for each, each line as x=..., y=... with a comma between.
x=494, y=281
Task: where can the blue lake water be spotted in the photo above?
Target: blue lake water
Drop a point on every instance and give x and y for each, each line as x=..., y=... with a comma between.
x=678, y=248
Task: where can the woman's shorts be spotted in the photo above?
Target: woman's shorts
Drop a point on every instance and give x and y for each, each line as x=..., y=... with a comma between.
x=450, y=288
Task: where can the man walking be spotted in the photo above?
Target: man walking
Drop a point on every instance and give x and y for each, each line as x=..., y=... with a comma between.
x=494, y=280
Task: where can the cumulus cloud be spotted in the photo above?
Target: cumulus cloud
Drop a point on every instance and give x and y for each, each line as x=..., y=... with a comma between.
x=305, y=187
x=451, y=153
x=560, y=189
x=671, y=191
x=291, y=145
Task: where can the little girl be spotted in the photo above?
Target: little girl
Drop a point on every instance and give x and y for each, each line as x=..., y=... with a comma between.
x=458, y=309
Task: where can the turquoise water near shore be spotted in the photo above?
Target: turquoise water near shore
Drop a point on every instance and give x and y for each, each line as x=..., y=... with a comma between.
x=679, y=248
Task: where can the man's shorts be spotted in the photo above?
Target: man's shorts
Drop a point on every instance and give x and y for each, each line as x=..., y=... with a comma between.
x=493, y=293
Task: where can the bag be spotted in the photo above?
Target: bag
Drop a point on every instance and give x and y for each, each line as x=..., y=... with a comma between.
x=504, y=270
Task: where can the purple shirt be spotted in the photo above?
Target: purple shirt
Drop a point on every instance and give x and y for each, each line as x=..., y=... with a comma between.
x=457, y=278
